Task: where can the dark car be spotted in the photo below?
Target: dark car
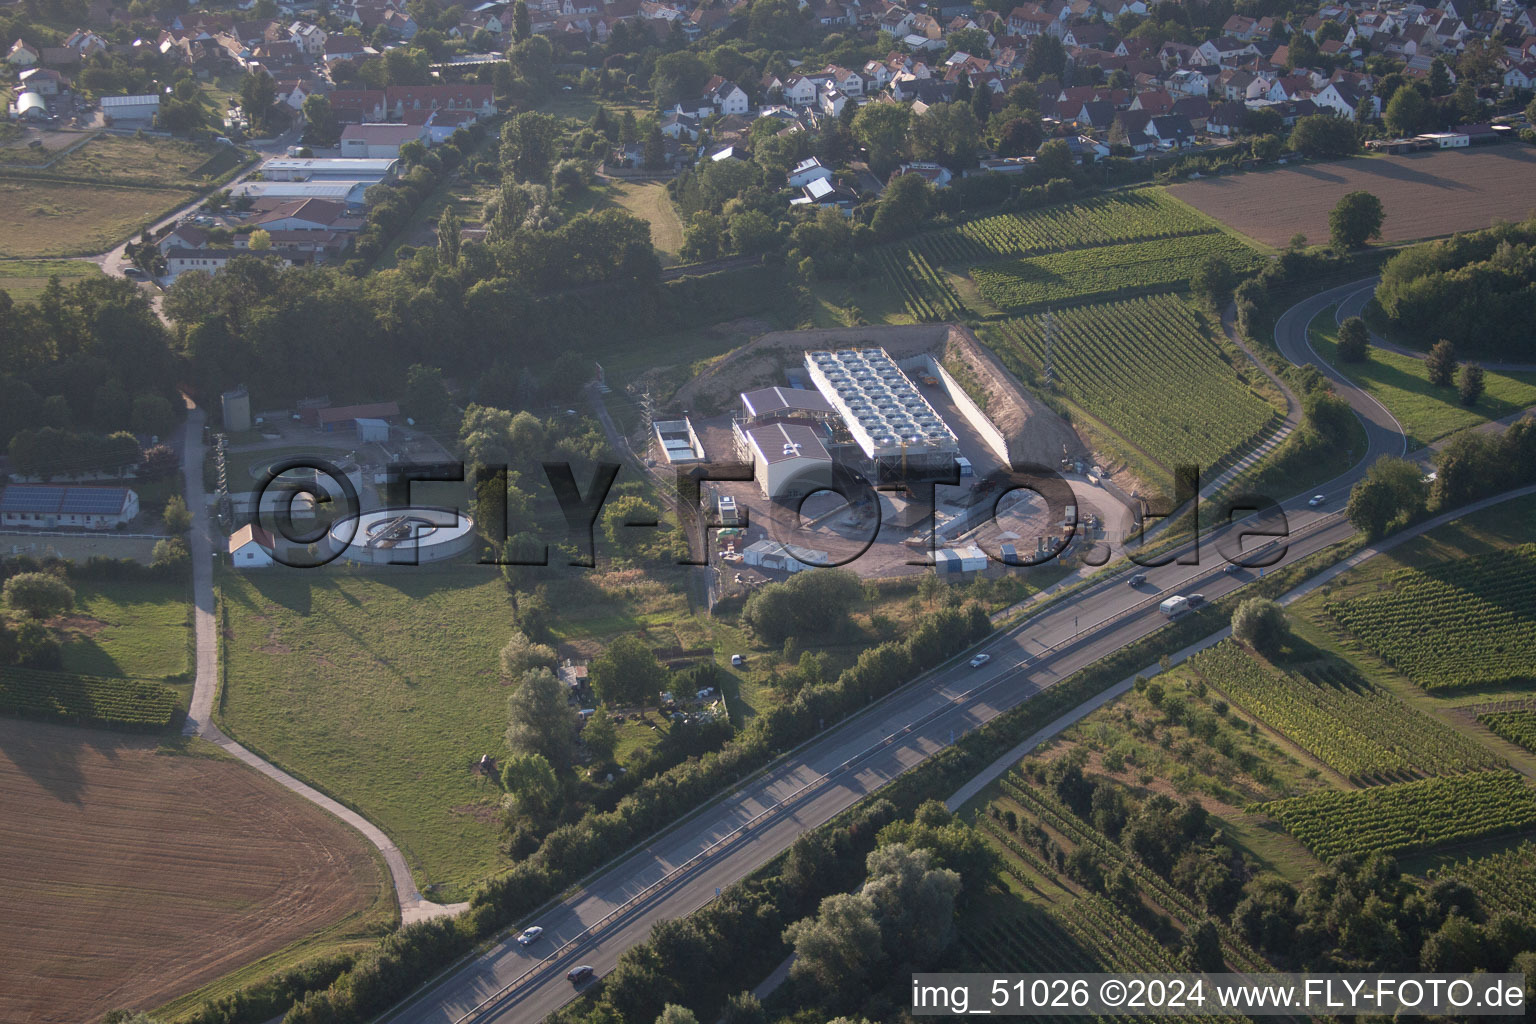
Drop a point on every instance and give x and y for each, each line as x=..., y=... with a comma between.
x=1136, y=580
x=1232, y=569
x=580, y=975
x=132, y=272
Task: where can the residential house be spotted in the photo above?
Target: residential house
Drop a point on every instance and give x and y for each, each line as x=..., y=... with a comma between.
x=23, y=54
x=251, y=547
x=1172, y=131
x=85, y=42
x=1227, y=119
x=1343, y=99
x=342, y=47
x=1154, y=101
x=831, y=101
x=1197, y=109
x=726, y=97
x=310, y=39
x=356, y=106
x=826, y=193
x=807, y=171
x=1521, y=75
x=1032, y=20
x=451, y=96
x=934, y=174
x=678, y=124
x=43, y=81
x=1290, y=87
x=1189, y=82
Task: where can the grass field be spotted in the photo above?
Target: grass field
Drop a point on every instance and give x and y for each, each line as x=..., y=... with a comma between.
x=134, y=629
x=1151, y=370
x=384, y=691
x=1400, y=383
x=126, y=159
x=1424, y=194
x=53, y=218
x=24, y=280
x=136, y=876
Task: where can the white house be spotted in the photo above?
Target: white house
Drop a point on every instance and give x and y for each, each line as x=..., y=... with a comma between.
x=250, y=547
x=799, y=91
x=807, y=171
x=1342, y=98
x=1189, y=82
x=308, y=38
x=726, y=97
x=1520, y=76
x=51, y=506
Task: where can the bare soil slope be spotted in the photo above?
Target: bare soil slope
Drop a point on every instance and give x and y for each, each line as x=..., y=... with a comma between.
x=1427, y=194
x=134, y=877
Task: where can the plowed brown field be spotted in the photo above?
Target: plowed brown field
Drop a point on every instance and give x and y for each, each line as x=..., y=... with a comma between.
x=132, y=877
x=1424, y=194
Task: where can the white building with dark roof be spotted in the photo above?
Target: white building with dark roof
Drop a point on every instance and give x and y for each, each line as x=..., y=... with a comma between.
x=54, y=506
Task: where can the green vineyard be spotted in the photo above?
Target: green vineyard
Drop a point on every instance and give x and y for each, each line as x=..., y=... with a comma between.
x=1504, y=881
x=1519, y=727
x=1409, y=815
x=1149, y=369
x=139, y=704
x=1136, y=216
x=927, y=296
x=1106, y=271
x=1353, y=727
x=1461, y=624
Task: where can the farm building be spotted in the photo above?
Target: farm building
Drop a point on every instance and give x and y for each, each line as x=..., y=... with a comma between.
x=375, y=141
x=31, y=106
x=126, y=111
x=50, y=506
x=250, y=547
x=770, y=554
x=371, y=429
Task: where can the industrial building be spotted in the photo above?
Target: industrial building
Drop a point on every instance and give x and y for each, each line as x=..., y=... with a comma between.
x=888, y=419
x=678, y=440
x=788, y=459
x=352, y=193
x=330, y=168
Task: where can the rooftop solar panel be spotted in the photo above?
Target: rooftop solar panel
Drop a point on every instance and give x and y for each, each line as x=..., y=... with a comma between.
x=21, y=498
x=92, y=501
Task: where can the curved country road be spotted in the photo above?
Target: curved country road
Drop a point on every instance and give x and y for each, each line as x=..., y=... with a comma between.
x=413, y=907
x=679, y=870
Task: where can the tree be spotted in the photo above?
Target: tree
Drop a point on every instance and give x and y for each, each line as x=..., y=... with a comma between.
x=1407, y=113
x=1020, y=136
x=1392, y=489
x=1470, y=387
x=1213, y=281
x=1354, y=340
x=38, y=594
x=260, y=240
x=1439, y=77
x=1201, y=950
x=426, y=395
x=257, y=94
x=914, y=902
x=531, y=781
x=169, y=552
x=527, y=145
x=1355, y=220
x=1324, y=135
x=1260, y=623
x=838, y=948
x=522, y=23
x=626, y=674
x=743, y=1008
x=903, y=206
x=881, y=129
x=1440, y=364
x=449, y=237
x=176, y=517
x=321, y=119
x=678, y=76
x=947, y=133
x=539, y=719
x=674, y=1014
x=521, y=655
x=600, y=736
x=1055, y=159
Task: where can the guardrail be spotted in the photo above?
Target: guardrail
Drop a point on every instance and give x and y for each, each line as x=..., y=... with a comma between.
x=786, y=803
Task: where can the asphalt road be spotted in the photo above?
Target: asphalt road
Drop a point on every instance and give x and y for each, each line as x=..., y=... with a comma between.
x=681, y=869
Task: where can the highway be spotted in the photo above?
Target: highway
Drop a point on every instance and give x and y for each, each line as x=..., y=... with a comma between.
x=681, y=869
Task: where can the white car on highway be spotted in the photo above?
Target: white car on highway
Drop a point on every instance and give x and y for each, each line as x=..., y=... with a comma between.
x=1317, y=499
x=980, y=660
x=530, y=936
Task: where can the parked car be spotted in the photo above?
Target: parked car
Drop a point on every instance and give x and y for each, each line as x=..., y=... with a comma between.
x=132, y=272
x=1137, y=580
x=737, y=661
x=980, y=660
x=1317, y=499
x=580, y=975
x=530, y=936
